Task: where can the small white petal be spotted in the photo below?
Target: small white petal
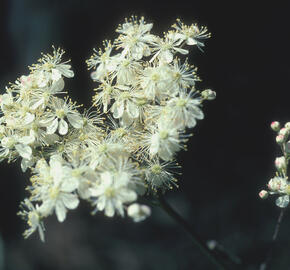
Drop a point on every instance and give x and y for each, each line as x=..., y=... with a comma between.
x=35, y=105
x=191, y=122
x=27, y=139
x=70, y=201
x=25, y=163
x=127, y=195
x=109, y=209
x=182, y=51
x=118, y=109
x=197, y=112
x=57, y=86
x=132, y=109
x=60, y=211
x=46, y=208
x=154, y=144
x=166, y=56
x=24, y=151
x=62, y=127
x=55, y=74
x=52, y=127
x=191, y=41
x=107, y=179
x=101, y=203
x=69, y=184
x=65, y=70
x=75, y=120
x=29, y=117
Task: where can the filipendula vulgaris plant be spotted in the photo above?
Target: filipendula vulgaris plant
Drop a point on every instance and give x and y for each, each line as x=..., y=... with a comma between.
x=145, y=100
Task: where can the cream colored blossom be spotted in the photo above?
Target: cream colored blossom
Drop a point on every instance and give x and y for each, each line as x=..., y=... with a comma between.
x=121, y=148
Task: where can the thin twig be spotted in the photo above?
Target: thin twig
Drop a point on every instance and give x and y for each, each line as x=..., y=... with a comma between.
x=274, y=238
x=195, y=238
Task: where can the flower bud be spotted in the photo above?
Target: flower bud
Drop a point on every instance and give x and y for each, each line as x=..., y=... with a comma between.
x=208, y=94
x=283, y=131
x=94, y=75
x=287, y=148
x=280, y=163
x=287, y=126
x=138, y=212
x=275, y=126
x=274, y=184
x=211, y=244
x=263, y=194
x=280, y=138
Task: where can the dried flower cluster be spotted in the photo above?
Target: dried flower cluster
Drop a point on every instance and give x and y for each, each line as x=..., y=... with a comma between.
x=145, y=99
x=279, y=184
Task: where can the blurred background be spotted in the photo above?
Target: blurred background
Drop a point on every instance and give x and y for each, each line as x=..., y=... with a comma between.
x=229, y=158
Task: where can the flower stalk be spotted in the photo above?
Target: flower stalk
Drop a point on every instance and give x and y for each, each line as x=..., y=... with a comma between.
x=211, y=256
x=265, y=264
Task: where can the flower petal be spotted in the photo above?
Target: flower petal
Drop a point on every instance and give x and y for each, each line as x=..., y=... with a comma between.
x=62, y=127
x=132, y=109
x=24, y=150
x=60, y=211
x=70, y=201
x=75, y=119
x=52, y=127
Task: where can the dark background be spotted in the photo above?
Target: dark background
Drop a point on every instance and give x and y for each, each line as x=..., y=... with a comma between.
x=229, y=159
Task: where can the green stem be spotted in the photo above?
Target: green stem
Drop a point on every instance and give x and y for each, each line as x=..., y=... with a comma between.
x=195, y=238
x=265, y=264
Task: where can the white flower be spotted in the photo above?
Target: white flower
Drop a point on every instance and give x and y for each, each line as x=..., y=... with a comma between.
x=52, y=68
x=156, y=81
x=160, y=174
x=106, y=148
x=277, y=184
x=40, y=97
x=192, y=35
x=104, y=95
x=126, y=71
x=134, y=38
x=33, y=218
x=184, y=75
x=124, y=102
x=103, y=62
x=164, y=142
x=182, y=111
x=112, y=192
x=166, y=48
x=55, y=120
x=56, y=190
x=20, y=143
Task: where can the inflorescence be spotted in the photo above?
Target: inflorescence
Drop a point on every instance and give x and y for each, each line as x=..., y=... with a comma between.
x=145, y=100
x=279, y=185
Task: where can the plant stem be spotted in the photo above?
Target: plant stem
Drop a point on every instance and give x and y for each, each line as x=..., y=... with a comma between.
x=274, y=238
x=195, y=238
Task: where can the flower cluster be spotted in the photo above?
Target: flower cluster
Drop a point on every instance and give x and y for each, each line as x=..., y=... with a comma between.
x=150, y=93
x=279, y=185
x=145, y=100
